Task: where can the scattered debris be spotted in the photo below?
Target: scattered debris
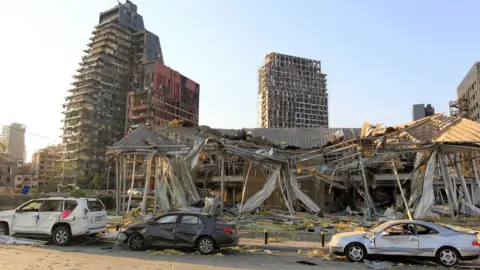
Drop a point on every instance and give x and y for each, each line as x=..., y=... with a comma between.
x=379, y=264
x=10, y=240
x=306, y=263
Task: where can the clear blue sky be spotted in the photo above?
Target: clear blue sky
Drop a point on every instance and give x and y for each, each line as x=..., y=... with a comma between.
x=380, y=57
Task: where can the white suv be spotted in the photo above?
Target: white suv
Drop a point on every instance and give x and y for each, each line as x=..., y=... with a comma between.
x=58, y=218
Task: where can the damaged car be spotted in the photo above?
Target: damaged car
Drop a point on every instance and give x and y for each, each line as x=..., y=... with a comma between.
x=180, y=230
x=408, y=238
x=57, y=218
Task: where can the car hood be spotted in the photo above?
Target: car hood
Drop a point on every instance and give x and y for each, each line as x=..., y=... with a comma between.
x=8, y=213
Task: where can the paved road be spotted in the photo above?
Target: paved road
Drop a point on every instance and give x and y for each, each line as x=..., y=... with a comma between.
x=107, y=256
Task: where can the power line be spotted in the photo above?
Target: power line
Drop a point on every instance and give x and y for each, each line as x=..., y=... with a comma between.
x=30, y=133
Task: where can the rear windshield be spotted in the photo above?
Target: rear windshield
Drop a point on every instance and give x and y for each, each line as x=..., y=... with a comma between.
x=95, y=206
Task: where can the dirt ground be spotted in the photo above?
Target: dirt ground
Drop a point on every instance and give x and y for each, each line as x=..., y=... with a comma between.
x=39, y=259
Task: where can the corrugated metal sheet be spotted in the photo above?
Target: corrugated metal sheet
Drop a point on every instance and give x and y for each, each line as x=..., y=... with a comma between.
x=463, y=131
x=304, y=138
x=142, y=137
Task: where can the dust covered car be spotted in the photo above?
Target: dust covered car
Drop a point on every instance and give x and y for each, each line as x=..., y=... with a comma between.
x=55, y=217
x=180, y=230
x=442, y=242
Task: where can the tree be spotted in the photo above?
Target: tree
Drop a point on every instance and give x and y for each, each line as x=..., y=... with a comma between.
x=97, y=182
x=3, y=147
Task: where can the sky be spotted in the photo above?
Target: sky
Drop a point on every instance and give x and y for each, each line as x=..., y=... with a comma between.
x=380, y=57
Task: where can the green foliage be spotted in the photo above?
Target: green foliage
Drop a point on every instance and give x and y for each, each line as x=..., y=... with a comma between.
x=2, y=147
x=97, y=182
x=35, y=193
x=77, y=193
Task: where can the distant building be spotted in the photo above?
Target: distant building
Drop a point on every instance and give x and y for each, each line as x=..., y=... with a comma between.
x=13, y=138
x=9, y=167
x=467, y=102
x=420, y=111
x=292, y=92
x=44, y=164
x=165, y=95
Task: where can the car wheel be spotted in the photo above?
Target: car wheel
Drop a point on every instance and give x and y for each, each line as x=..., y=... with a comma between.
x=447, y=257
x=206, y=245
x=3, y=229
x=355, y=252
x=61, y=236
x=136, y=242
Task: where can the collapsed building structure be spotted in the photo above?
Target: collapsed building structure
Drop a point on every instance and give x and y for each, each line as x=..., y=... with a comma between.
x=422, y=164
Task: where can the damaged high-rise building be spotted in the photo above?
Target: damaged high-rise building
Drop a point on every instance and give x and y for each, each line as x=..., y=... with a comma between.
x=165, y=95
x=95, y=107
x=292, y=93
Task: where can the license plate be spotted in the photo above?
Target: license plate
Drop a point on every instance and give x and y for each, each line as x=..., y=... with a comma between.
x=99, y=218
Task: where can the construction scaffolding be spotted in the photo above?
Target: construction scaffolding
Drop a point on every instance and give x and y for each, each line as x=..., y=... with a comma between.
x=95, y=106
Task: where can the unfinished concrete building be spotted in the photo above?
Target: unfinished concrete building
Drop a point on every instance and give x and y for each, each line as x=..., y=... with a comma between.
x=165, y=95
x=292, y=93
x=95, y=106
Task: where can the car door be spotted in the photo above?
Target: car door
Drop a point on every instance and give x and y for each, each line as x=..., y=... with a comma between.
x=162, y=231
x=26, y=217
x=188, y=228
x=49, y=214
x=428, y=240
x=398, y=239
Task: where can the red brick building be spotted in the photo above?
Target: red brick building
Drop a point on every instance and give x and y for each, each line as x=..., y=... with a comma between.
x=164, y=95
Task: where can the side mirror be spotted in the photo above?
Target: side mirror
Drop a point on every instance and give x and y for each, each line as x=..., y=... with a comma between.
x=384, y=233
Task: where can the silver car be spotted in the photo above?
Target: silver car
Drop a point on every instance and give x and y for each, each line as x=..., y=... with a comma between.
x=408, y=238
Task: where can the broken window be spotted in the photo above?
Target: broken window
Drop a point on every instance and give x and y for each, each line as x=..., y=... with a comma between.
x=167, y=219
x=52, y=206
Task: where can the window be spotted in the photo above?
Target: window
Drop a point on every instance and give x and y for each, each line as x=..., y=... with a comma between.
x=191, y=220
x=95, y=206
x=70, y=205
x=52, y=206
x=31, y=207
x=167, y=219
x=423, y=230
x=400, y=229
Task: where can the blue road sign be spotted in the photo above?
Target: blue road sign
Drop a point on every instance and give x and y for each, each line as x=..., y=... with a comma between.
x=25, y=190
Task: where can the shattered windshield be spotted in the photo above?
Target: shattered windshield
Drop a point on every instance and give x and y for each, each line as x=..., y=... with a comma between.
x=378, y=227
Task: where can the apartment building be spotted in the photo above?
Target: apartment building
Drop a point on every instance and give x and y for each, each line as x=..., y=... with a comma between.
x=467, y=102
x=9, y=167
x=13, y=138
x=292, y=93
x=165, y=95
x=95, y=107
x=44, y=164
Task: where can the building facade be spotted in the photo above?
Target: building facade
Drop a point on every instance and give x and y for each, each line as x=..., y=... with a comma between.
x=13, y=139
x=44, y=164
x=9, y=167
x=292, y=93
x=95, y=107
x=467, y=102
x=420, y=111
x=165, y=95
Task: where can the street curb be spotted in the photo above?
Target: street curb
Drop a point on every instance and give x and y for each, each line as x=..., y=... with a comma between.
x=282, y=248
